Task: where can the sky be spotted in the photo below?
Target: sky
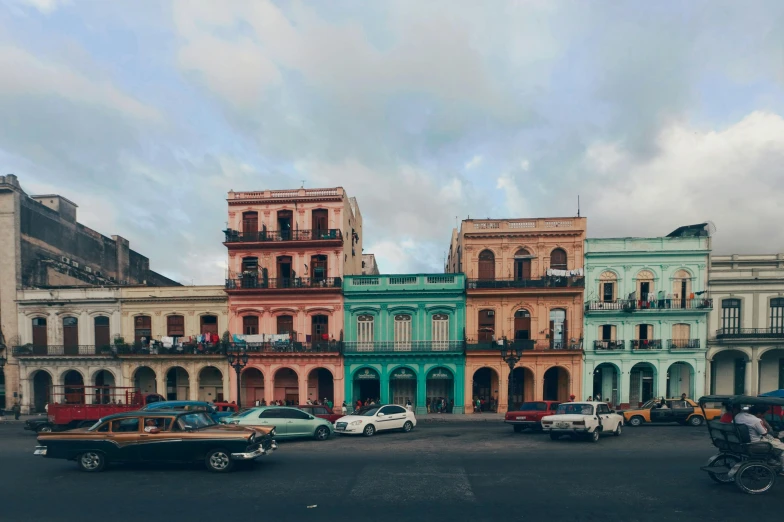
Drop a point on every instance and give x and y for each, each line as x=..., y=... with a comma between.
x=147, y=112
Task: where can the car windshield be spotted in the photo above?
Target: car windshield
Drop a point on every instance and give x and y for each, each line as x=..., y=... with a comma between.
x=241, y=413
x=195, y=420
x=650, y=404
x=575, y=409
x=367, y=411
x=95, y=426
x=533, y=406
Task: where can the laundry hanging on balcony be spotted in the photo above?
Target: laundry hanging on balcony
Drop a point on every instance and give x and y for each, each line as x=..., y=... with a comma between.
x=577, y=272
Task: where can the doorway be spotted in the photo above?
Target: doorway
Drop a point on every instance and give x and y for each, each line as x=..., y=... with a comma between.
x=285, y=218
x=285, y=272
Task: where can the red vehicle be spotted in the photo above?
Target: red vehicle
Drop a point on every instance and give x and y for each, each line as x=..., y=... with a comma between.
x=530, y=414
x=74, y=406
x=322, y=412
x=226, y=406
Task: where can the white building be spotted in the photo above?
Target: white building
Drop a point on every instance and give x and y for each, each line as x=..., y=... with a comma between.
x=746, y=327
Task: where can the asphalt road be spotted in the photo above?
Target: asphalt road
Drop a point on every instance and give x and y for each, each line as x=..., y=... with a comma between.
x=440, y=471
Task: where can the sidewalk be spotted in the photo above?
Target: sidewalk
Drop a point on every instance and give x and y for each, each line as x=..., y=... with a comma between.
x=9, y=417
x=461, y=417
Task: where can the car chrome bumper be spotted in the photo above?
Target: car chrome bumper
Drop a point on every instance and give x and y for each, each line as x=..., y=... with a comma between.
x=567, y=430
x=40, y=450
x=255, y=454
x=522, y=422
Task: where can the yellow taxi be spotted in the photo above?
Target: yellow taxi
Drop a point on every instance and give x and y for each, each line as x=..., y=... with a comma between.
x=659, y=411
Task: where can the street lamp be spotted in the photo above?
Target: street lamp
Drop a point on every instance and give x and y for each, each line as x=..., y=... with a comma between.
x=238, y=359
x=511, y=356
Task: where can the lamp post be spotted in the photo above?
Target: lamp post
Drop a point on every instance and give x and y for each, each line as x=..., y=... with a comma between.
x=2, y=364
x=238, y=359
x=511, y=356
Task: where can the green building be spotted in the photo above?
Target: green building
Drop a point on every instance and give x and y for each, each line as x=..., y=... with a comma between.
x=404, y=339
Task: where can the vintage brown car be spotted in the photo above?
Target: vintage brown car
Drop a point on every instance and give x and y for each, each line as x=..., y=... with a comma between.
x=158, y=436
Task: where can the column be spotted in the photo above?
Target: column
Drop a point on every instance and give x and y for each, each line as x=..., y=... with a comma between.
x=269, y=385
x=227, y=385
x=348, y=385
x=420, y=408
x=27, y=393
x=708, y=374
x=458, y=383
x=383, y=384
x=700, y=376
x=661, y=385
x=468, y=391
x=303, y=386
x=625, y=384
x=160, y=382
x=503, y=389
x=193, y=385
x=748, y=385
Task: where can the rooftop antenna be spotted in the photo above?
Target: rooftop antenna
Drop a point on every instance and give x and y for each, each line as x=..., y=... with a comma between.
x=578, y=205
x=303, y=183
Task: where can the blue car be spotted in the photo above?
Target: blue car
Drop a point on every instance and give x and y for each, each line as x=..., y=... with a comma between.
x=190, y=405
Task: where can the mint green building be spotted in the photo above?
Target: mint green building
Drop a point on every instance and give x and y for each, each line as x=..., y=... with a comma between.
x=646, y=313
x=404, y=339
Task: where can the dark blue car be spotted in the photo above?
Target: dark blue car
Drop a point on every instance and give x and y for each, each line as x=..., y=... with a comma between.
x=190, y=405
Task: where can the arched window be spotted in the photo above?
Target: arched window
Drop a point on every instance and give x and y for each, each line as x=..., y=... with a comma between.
x=486, y=265
x=250, y=325
x=71, y=335
x=175, y=326
x=558, y=259
x=644, y=281
x=730, y=316
x=486, y=326
x=142, y=329
x=522, y=325
x=681, y=288
x=39, y=333
x=607, y=286
x=402, y=332
x=777, y=315
x=522, y=265
x=440, y=334
x=558, y=329
x=101, y=328
x=365, y=333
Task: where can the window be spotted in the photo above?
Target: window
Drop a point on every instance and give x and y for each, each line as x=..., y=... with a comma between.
x=486, y=325
x=730, y=315
x=318, y=266
x=126, y=425
x=285, y=217
x=250, y=265
x=390, y=410
x=558, y=330
x=522, y=265
x=320, y=226
x=162, y=423
x=486, y=265
x=644, y=332
x=607, y=332
x=681, y=288
x=607, y=286
x=440, y=331
x=294, y=414
x=285, y=324
x=250, y=222
x=175, y=326
x=602, y=408
x=101, y=327
x=644, y=284
x=208, y=324
x=250, y=325
x=271, y=414
x=777, y=315
x=558, y=259
x=319, y=328
x=365, y=333
x=70, y=332
x=39, y=332
x=681, y=333
x=142, y=328
x=402, y=332
x=522, y=325
x=320, y=410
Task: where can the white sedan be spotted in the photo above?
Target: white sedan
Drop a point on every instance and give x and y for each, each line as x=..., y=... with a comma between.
x=583, y=419
x=370, y=419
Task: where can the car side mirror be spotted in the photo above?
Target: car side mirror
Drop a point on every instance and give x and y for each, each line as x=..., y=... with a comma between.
x=379, y=415
x=188, y=427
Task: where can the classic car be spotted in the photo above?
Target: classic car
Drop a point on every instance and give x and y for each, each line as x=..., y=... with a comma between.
x=321, y=411
x=370, y=419
x=530, y=414
x=289, y=423
x=215, y=411
x=682, y=411
x=583, y=419
x=157, y=436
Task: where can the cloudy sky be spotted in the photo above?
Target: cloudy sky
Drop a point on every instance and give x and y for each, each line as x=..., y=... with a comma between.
x=146, y=112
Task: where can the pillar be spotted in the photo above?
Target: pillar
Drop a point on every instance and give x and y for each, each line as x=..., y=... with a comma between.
x=160, y=382
x=193, y=386
x=755, y=373
x=468, y=391
x=539, y=384
x=747, y=377
x=625, y=385
x=698, y=385
x=302, y=383
x=227, y=385
x=383, y=385
x=269, y=386
x=503, y=389
x=420, y=407
x=661, y=384
x=708, y=374
x=458, y=392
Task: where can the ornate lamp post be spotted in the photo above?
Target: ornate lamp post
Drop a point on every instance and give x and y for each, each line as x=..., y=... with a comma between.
x=238, y=359
x=511, y=355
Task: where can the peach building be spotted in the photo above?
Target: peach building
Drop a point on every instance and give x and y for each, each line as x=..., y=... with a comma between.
x=525, y=285
x=288, y=253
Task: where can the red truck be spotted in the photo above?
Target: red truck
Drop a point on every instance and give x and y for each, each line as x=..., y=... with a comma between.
x=322, y=412
x=530, y=414
x=74, y=406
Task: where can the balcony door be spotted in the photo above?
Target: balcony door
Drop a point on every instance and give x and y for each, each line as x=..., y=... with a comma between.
x=777, y=315
x=285, y=324
x=522, y=265
x=730, y=316
x=250, y=223
x=319, y=328
x=285, y=224
x=285, y=273
x=142, y=329
x=208, y=324
x=71, y=335
x=486, y=326
x=522, y=325
x=558, y=259
x=320, y=224
x=101, y=326
x=250, y=325
x=318, y=266
x=40, y=340
x=558, y=328
x=486, y=265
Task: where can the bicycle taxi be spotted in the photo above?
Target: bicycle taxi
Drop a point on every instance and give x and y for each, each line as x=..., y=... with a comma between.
x=751, y=466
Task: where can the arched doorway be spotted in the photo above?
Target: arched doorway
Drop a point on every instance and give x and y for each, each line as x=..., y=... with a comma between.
x=286, y=386
x=485, y=389
x=680, y=379
x=771, y=371
x=556, y=384
x=642, y=384
x=73, y=387
x=210, y=384
x=178, y=384
x=403, y=386
x=252, y=386
x=366, y=385
x=522, y=386
x=104, y=382
x=440, y=390
x=321, y=385
x=728, y=373
x=42, y=390
x=606, y=378
x=144, y=380
x=522, y=265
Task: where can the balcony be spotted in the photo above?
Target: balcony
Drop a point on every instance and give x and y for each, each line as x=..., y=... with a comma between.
x=523, y=344
x=334, y=347
x=657, y=305
x=759, y=334
x=683, y=344
x=646, y=344
x=82, y=350
x=253, y=282
x=403, y=348
x=235, y=238
x=609, y=345
x=30, y=350
x=542, y=282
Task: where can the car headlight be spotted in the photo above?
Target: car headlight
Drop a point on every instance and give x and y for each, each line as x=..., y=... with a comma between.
x=272, y=432
x=356, y=423
x=252, y=438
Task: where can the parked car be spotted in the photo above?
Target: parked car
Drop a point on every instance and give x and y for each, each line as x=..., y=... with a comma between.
x=529, y=415
x=157, y=436
x=216, y=412
x=583, y=419
x=321, y=411
x=682, y=411
x=370, y=419
x=290, y=423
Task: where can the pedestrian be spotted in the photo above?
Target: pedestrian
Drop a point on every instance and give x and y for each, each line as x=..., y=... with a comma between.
x=327, y=403
x=263, y=402
x=258, y=403
x=16, y=409
x=408, y=404
x=683, y=396
x=478, y=406
x=344, y=408
x=571, y=398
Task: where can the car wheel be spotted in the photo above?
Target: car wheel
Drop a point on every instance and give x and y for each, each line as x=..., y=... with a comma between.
x=91, y=461
x=618, y=429
x=696, y=421
x=636, y=421
x=322, y=433
x=408, y=426
x=44, y=429
x=755, y=478
x=518, y=429
x=594, y=435
x=554, y=436
x=369, y=430
x=219, y=461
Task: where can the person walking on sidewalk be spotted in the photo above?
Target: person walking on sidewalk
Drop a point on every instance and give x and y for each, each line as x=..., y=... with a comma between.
x=16, y=409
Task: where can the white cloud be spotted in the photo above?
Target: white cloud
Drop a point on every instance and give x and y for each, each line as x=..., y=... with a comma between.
x=525, y=165
x=473, y=162
x=44, y=6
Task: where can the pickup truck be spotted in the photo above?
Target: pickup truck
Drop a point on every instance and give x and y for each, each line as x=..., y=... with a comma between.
x=322, y=412
x=529, y=415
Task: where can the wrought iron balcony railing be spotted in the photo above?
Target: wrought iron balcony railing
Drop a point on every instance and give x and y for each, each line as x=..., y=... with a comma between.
x=263, y=236
x=542, y=282
x=146, y=349
x=403, y=347
x=524, y=344
x=683, y=344
x=61, y=350
x=638, y=305
x=750, y=333
x=253, y=282
x=609, y=345
x=292, y=347
x=646, y=344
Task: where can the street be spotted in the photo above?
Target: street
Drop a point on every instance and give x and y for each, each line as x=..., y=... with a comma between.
x=478, y=471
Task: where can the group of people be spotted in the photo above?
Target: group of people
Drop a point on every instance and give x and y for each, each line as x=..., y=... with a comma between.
x=482, y=405
x=759, y=429
x=440, y=405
